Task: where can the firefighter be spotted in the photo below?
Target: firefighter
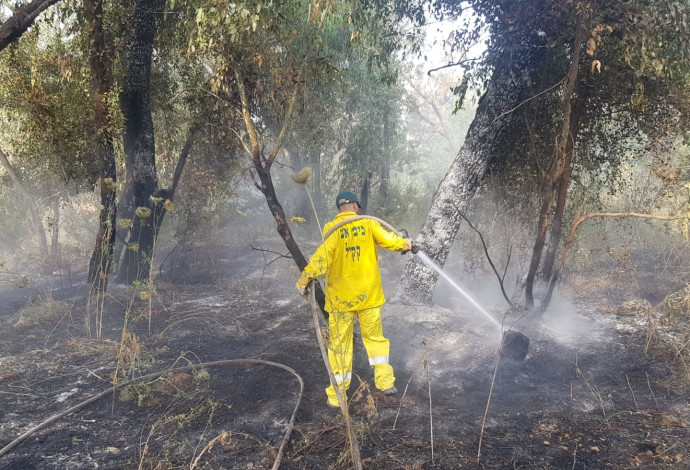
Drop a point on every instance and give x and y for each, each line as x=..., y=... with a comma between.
x=349, y=260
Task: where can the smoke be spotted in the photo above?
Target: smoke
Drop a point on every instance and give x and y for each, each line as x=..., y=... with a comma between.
x=563, y=321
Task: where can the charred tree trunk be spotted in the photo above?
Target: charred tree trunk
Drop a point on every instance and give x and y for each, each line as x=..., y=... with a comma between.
x=182, y=161
x=563, y=185
x=140, y=145
x=33, y=205
x=557, y=168
x=265, y=185
x=462, y=180
x=101, y=79
x=262, y=164
x=364, y=195
x=164, y=196
x=22, y=18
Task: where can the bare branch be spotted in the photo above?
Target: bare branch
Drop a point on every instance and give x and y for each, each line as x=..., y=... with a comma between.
x=280, y=255
x=488, y=258
x=286, y=122
x=256, y=183
x=22, y=18
x=454, y=64
x=531, y=98
x=240, y=137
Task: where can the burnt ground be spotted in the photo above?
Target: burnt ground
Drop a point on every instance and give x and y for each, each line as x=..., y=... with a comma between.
x=595, y=391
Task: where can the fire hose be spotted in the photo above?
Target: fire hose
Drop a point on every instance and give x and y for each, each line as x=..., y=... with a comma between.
x=400, y=233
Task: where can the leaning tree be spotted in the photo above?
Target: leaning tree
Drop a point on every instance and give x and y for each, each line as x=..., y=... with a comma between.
x=550, y=51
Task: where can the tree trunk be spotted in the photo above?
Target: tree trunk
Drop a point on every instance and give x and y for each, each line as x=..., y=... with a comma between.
x=33, y=205
x=302, y=207
x=140, y=145
x=461, y=182
x=316, y=192
x=563, y=184
x=267, y=189
x=557, y=168
x=22, y=18
x=262, y=165
x=182, y=161
x=101, y=83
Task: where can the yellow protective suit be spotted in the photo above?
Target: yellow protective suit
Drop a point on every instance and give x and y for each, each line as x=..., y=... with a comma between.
x=349, y=260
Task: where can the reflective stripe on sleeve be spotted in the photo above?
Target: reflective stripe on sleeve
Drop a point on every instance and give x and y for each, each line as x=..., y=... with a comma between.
x=378, y=360
x=339, y=378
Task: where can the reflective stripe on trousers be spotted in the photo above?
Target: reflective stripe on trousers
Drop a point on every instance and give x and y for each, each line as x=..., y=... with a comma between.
x=339, y=378
x=378, y=360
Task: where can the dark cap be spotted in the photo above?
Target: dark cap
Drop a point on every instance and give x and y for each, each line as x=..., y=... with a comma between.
x=345, y=197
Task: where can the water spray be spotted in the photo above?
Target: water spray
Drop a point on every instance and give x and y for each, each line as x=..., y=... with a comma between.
x=429, y=262
x=514, y=345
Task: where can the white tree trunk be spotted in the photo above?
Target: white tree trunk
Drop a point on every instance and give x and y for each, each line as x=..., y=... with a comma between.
x=461, y=182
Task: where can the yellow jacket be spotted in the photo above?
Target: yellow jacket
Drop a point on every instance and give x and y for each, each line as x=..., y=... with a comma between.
x=349, y=259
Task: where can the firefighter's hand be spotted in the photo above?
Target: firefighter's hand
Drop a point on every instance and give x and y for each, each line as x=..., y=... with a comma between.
x=303, y=286
x=407, y=247
x=410, y=246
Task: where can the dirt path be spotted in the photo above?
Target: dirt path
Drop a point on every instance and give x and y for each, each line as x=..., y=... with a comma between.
x=585, y=397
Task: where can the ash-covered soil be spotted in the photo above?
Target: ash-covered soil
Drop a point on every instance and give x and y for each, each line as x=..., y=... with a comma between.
x=594, y=391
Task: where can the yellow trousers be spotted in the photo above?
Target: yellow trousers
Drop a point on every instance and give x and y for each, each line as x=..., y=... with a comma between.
x=341, y=325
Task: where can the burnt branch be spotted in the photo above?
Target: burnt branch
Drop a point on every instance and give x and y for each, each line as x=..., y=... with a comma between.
x=280, y=255
x=488, y=258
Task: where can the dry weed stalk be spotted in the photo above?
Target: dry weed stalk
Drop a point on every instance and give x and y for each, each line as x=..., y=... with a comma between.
x=431, y=415
x=354, y=445
x=224, y=438
x=637, y=408
x=594, y=390
x=488, y=401
x=407, y=385
x=364, y=391
x=650, y=389
x=145, y=451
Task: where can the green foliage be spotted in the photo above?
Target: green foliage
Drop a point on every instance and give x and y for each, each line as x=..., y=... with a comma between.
x=44, y=94
x=460, y=91
x=357, y=117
